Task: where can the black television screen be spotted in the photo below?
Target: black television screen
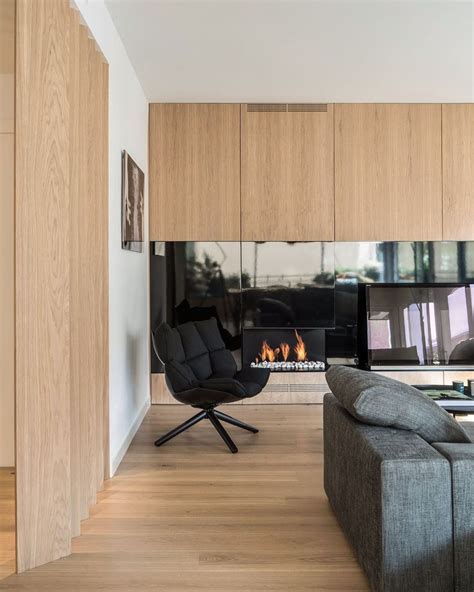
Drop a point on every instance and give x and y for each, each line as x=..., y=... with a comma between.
x=420, y=324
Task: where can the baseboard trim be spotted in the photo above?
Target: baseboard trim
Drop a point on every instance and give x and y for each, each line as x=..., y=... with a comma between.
x=115, y=462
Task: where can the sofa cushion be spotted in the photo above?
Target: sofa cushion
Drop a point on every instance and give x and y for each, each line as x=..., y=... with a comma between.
x=378, y=400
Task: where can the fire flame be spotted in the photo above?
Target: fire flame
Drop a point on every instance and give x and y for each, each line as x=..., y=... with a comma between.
x=267, y=354
x=285, y=351
x=300, y=349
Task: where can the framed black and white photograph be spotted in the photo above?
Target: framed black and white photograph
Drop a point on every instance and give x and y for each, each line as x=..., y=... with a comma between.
x=133, y=206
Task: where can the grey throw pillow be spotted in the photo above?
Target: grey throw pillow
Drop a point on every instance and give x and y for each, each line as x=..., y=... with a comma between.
x=382, y=401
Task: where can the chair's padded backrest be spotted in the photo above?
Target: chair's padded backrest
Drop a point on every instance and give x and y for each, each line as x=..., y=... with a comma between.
x=171, y=352
x=195, y=350
x=222, y=361
x=168, y=344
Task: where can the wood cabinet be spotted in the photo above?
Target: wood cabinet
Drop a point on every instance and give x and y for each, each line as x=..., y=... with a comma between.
x=388, y=172
x=287, y=173
x=458, y=172
x=194, y=163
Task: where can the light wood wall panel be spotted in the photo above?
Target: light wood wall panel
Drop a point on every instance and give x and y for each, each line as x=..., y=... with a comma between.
x=458, y=172
x=282, y=388
x=7, y=296
x=194, y=162
x=42, y=282
x=416, y=377
x=61, y=277
x=287, y=175
x=7, y=65
x=388, y=172
x=75, y=168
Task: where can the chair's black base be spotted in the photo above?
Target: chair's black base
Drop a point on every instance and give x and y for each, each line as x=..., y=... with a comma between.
x=213, y=416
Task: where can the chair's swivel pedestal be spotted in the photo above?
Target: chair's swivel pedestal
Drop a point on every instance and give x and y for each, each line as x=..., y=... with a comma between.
x=215, y=417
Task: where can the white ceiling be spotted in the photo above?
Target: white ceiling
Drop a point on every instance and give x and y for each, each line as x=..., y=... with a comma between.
x=292, y=51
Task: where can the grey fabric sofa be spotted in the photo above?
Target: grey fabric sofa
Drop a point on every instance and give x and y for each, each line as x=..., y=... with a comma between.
x=406, y=505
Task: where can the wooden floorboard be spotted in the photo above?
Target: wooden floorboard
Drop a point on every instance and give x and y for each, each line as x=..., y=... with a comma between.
x=7, y=521
x=191, y=516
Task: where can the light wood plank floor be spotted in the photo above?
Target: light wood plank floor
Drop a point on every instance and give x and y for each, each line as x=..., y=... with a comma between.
x=7, y=521
x=190, y=516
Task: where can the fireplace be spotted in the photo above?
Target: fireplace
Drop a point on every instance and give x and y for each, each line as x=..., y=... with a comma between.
x=284, y=350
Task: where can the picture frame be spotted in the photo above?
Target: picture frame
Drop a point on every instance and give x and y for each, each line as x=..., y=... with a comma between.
x=133, y=204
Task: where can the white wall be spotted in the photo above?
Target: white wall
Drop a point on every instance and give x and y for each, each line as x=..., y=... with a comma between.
x=128, y=271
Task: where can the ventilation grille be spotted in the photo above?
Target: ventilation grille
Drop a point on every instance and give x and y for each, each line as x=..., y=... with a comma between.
x=308, y=108
x=298, y=388
x=290, y=108
x=266, y=108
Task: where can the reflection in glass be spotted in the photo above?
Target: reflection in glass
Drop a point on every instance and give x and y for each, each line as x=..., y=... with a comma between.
x=288, y=284
x=207, y=284
x=395, y=262
x=419, y=325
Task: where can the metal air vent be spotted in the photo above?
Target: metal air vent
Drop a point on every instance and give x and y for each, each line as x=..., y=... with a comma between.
x=266, y=108
x=307, y=108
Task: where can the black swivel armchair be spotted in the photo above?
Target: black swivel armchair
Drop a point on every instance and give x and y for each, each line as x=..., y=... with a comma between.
x=201, y=372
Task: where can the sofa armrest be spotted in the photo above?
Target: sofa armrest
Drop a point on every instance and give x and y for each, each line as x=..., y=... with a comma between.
x=391, y=492
x=461, y=459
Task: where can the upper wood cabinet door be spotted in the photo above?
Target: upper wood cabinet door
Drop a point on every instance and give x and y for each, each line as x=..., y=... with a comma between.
x=388, y=172
x=287, y=174
x=458, y=172
x=194, y=172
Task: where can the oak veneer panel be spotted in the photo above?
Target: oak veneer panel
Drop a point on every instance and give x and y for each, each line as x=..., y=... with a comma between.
x=61, y=277
x=7, y=300
x=282, y=389
x=93, y=259
x=287, y=176
x=89, y=271
x=75, y=250
x=388, y=172
x=42, y=288
x=7, y=36
x=104, y=259
x=194, y=172
x=7, y=65
x=160, y=394
x=416, y=377
x=292, y=388
x=458, y=172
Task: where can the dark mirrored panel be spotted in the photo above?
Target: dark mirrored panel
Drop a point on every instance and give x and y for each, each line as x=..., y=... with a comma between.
x=288, y=284
x=388, y=262
x=272, y=286
x=419, y=324
x=192, y=281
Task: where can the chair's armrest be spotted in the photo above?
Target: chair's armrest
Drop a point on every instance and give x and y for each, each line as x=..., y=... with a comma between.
x=226, y=385
x=461, y=459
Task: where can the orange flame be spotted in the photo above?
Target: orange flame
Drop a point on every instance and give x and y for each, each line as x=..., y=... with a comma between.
x=267, y=353
x=285, y=351
x=300, y=349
